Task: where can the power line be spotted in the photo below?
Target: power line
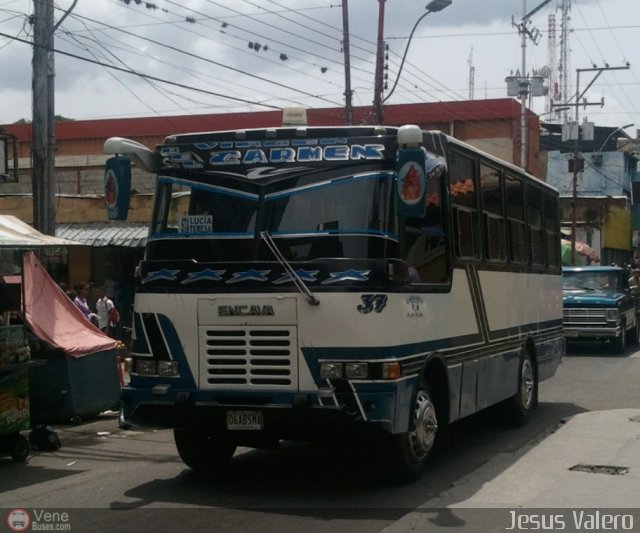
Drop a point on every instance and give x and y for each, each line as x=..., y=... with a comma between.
x=147, y=76
x=207, y=60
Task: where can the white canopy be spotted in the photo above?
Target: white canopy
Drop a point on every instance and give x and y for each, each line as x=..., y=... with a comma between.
x=16, y=234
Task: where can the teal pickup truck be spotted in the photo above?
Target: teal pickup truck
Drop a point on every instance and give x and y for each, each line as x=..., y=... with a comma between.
x=598, y=305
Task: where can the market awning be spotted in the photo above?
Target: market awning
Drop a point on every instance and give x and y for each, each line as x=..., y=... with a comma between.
x=14, y=233
x=105, y=234
x=582, y=249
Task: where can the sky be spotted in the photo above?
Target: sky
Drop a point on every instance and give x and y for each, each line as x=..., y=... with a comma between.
x=133, y=58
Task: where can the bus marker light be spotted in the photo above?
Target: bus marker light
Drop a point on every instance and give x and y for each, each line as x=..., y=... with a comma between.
x=391, y=370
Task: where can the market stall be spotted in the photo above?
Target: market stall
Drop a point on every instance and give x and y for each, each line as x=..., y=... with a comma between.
x=79, y=377
x=15, y=346
x=14, y=383
x=55, y=366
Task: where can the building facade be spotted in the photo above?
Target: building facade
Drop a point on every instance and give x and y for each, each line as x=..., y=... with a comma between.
x=603, y=180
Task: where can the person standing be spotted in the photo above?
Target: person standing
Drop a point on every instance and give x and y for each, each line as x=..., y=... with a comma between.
x=80, y=300
x=105, y=309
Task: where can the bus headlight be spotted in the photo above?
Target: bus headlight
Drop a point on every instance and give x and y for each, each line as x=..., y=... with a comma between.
x=331, y=370
x=146, y=367
x=356, y=370
x=167, y=368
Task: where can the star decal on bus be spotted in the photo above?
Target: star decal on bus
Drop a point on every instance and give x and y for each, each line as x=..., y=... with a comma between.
x=304, y=275
x=204, y=275
x=249, y=275
x=169, y=275
x=347, y=275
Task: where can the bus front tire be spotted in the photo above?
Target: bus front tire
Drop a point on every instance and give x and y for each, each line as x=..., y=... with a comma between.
x=202, y=452
x=518, y=407
x=412, y=449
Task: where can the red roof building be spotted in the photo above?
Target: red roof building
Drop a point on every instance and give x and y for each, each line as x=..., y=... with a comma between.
x=491, y=125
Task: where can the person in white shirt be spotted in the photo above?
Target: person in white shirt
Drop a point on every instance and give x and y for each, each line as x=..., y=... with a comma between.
x=104, y=307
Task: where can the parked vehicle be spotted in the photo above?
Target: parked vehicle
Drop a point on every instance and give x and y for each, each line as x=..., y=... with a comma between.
x=598, y=305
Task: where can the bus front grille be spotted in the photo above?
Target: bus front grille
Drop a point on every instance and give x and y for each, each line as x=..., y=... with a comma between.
x=248, y=357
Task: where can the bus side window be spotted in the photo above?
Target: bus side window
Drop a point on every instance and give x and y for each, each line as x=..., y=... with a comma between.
x=515, y=217
x=533, y=197
x=492, y=213
x=464, y=205
x=551, y=226
x=425, y=239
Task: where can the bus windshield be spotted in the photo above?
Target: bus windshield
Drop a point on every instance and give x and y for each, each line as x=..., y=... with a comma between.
x=343, y=217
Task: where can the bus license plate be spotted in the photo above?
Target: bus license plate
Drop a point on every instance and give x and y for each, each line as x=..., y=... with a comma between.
x=245, y=420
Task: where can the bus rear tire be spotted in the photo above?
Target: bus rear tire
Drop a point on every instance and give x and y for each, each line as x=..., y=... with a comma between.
x=520, y=405
x=411, y=450
x=202, y=452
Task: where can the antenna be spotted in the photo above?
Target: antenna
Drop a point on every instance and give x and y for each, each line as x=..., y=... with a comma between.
x=472, y=75
x=553, y=93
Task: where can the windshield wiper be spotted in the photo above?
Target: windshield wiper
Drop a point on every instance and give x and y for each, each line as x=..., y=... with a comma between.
x=297, y=281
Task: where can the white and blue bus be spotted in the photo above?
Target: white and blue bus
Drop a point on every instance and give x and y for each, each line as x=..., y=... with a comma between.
x=299, y=282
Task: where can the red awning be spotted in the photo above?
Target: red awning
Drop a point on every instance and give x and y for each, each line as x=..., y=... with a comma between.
x=54, y=318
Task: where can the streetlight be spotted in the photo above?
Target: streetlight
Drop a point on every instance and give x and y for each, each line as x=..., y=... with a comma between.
x=432, y=7
x=612, y=134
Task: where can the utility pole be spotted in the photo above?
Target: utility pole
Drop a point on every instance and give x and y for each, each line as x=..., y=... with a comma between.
x=348, y=93
x=377, y=90
x=572, y=132
x=524, y=30
x=43, y=123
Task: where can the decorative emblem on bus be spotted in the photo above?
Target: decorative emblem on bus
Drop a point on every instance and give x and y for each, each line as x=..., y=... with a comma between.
x=249, y=275
x=415, y=307
x=204, y=275
x=173, y=156
x=347, y=275
x=270, y=172
x=170, y=275
x=304, y=275
x=372, y=302
x=246, y=310
x=288, y=154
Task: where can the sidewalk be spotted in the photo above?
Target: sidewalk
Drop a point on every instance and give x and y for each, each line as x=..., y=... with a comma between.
x=544, y=475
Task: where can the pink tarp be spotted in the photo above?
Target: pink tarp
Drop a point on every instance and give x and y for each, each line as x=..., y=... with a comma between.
x=54, y=318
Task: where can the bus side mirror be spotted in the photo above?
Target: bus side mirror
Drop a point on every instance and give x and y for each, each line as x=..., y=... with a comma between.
x=117, y=187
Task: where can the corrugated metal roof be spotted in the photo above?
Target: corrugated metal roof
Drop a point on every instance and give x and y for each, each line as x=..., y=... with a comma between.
x=105, y=234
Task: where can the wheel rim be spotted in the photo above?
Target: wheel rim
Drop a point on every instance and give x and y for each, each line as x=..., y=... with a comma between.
x=425, y=426
x=526, y=384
